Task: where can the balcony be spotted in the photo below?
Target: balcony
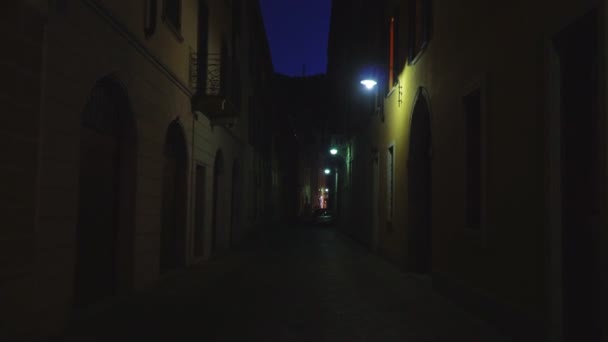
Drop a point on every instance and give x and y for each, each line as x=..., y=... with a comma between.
x=217, y=89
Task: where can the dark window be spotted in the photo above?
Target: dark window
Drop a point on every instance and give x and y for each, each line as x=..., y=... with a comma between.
x=236, y=18
x=203, y=42
x=173, y=14
x=251, y=127
x=224, y=69
x=391, y=52
x=150, y=17
x=472, y=107
x=420, y=27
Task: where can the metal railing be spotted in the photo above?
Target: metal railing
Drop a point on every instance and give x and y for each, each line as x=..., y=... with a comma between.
x=212, y=76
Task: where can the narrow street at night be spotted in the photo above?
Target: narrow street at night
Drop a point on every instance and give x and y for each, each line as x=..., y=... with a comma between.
x=291, y=284
x=304, y=170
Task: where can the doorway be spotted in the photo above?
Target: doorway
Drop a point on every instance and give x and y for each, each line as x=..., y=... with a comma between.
x=375, y=198
x=199, y=211
x=106, y=195
x=578, y=52
x=235, y=208
x=218, y=171
x=419, y=187
x=173, y=215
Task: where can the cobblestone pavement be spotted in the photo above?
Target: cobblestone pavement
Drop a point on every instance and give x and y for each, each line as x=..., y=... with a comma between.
x=294, y=284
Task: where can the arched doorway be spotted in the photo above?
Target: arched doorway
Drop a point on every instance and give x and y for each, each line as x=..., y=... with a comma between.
x=218, y=172
x=419, y=187
x=104, y=230
x=235, y=208
x=173, y=216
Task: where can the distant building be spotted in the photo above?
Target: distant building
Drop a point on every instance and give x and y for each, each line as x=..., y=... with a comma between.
x=483, y=155
x=304, y=101
x=137, y=142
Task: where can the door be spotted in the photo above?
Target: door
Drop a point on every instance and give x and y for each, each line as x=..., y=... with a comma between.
x=173, y=216
x=375, y=208
x=419, y=188
x=97, y=218
x=199, y=215
x=577, y=47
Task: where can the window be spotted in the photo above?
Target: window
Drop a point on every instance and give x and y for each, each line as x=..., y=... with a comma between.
x=203, y=46
x=419, y=28
x=251, y=123
x=150, y=17
x=172, y=15
x=473, y=145
x=390, y=168
x=236, y=18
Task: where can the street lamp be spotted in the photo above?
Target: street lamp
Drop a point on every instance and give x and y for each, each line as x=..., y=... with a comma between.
x=369, y=83
x=327, y=171
x=333, y=151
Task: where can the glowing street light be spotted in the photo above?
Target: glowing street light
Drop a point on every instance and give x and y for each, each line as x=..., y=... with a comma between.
x=369, y=84
x=327, y=171
x=333, y=151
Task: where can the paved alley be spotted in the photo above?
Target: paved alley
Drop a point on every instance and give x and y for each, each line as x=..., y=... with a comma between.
x=293, y=284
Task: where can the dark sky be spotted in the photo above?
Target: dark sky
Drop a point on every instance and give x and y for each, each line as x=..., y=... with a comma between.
x=297, y=32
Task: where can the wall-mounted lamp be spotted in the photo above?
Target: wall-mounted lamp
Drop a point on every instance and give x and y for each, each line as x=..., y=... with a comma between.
x=327, y=171
x=333, y=151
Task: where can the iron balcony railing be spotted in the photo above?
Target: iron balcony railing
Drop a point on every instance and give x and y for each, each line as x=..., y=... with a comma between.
x=213, y=75
x=217, y=74
x=217, y=85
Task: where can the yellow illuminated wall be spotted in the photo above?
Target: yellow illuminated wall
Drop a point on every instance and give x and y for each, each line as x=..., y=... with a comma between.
x=502, y=49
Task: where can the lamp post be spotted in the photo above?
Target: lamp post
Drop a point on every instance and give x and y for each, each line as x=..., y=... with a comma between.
x=336, y=193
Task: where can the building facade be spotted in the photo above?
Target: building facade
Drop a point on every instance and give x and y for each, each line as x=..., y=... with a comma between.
x=132, y=135
x=484, y=153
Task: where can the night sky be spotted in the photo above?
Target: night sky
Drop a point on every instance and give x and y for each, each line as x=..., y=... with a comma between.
x=297, y=31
